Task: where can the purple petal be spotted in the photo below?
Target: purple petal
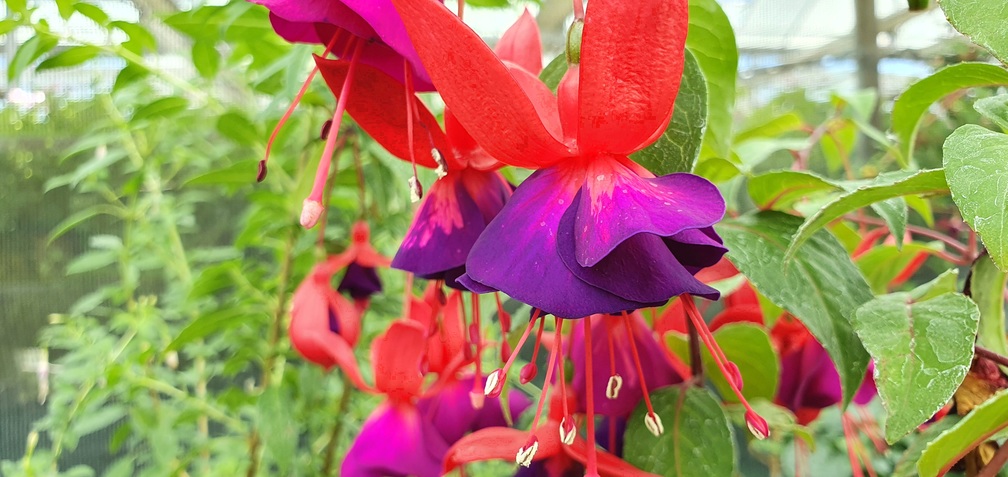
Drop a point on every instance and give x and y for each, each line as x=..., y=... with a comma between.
x=696, y=249
x=443, y=231
x=641, y=268
x=360, y=281
x=395, y=441
x=517, y=253
x=451, y=412
x=868, y=390
x=618, y=204
x=808, y=379
x=657, y=370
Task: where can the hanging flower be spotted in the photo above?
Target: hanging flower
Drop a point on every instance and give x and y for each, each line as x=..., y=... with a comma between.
x=360, y=260
x=590, y=231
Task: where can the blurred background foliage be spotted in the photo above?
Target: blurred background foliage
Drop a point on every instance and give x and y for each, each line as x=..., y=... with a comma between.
x=144, y=276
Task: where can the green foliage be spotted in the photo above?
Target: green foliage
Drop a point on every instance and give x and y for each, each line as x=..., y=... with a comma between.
x=819, y=284
x=980, y=424
x=746, y=345
x=975, y=166
x=987, y=284
x=712, y=41
x=982, y=21
x=697, y=440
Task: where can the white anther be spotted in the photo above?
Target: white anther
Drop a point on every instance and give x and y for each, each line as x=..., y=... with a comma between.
x=525, y=454
x=492, y=382
x=613, y=386
x=653, y=423
x=311, y=210
x=415, y=190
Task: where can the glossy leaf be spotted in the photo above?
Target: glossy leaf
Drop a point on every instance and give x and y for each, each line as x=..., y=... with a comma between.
x=976, y=165
x=881, y=264
x=910, y=107
x=697, y=440
x=907, y=464
x=712, y=40
x=982, y=422
x=983, y=21
x=987, y=286
x=779, y=190
x=922, y=352
x=678, y=147
x=819, y=285
x=748, y=346
x=994, y=108
x=884, y=187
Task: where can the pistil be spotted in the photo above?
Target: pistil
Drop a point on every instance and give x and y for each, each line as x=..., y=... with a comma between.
x=651, y=420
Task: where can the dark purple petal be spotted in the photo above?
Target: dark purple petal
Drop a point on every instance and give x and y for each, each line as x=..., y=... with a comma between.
x=808, y=379
x=443, y=231
x=360, y=282
x=395, y=442
x=657, y=370
x=868, y=390
x=618, y=204
x=641, y=268
x=517, y=253
x=450, y=410
x=696, y=249
x=610, y=431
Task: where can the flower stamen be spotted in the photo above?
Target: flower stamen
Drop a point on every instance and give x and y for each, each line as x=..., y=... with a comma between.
x=651, y=420
x=416, y=190
x=495, y=380
x=474, y=336
x=529, y=371
x=591, y=466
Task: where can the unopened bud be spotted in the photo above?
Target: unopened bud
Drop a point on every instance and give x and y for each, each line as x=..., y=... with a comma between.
x=311, y=210
x=415, y=189
x=326, y=126
x=613, y=386
x=442, y=165
x=476, y=398
x=505, y=351
x=528, y=373
x=734, y=374
x=527, y=452
x=573, y=50
x=757, y=425
x=494, y=383
x=567, y=430
x=653, y=423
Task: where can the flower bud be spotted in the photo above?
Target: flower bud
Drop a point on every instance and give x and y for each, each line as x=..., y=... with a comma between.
x=734, y=374
x=311, y=211
x=573, y=51
x=757, y=425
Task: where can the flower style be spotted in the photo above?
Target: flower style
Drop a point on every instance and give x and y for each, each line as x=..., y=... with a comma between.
x=470, y=192
x=592, y=231
x=362, y=32
x=409, y=434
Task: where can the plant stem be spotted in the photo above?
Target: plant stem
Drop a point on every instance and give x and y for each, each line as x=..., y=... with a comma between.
x=696, y=365
x=330, y=449
x=988, y=354
x=996, y=463
x=923, y=232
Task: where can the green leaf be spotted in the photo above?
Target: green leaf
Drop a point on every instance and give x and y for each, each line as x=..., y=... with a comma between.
x=976, y=166
x=82, y=216
x=28, y=52
x=140, y=39
x=983, y=21
x=162, y=108
x=19, y=6
x=237, y=127
x=554, y=72
x=748, y=346
x=72, y=56
x=65, y=7
x=881, y=264
x=712, y=40
x=94, y=12
x=987, y=286
x=781, y=420
x=894, y=212
x=129, y=74
x=208, y=324
x=979, y=424
x=91, y=261
x=922, y=352
x=206, y=58
x=820, y=285
x=947, y=282
x=697, y=440
x=101, y=418
x=994, y=108
x=773, y=127
x=907, y=464
x=677, y=149
x=779, y=190
x=885, y=186
x=910, y=107
x=239, y=173
x=716, y=170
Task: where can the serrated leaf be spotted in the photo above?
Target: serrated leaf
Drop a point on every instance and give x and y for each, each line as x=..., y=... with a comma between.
x=983, y=21
x=976, y=166
x=819, y=285
x=712, y=40
x=922, y=352
x=987, y=287
x=994, y=108
x=910, y=106
x=72, y=56
x=163, y=107
x=907, y=464
x=884, y=187
x=979, y=424
x=894, y=213
x=748, y=346
x=28, y=52
x=697, y=440
x=947, y=282
x=677, y=149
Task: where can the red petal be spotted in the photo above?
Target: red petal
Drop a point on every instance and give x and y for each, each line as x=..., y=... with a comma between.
x=737, y=314
x=521, y=44
x=500, y=443
x=478, y=88
x=397, y=355
x=608, y=464
x=378, y=105
x=628, y=87
x=466, y=152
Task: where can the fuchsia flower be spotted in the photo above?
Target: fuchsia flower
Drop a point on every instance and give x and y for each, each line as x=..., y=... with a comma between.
x=590, y=231
x=362, y=32
x=470, y=192
x=410, y=433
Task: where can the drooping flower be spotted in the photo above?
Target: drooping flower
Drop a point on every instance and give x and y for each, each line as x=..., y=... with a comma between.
x=362, y=32
x=409, y=434
x=360, y=260
x=469, y=192
x=590, y=231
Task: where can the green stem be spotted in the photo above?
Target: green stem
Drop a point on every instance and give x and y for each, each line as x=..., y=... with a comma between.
x=330, y=449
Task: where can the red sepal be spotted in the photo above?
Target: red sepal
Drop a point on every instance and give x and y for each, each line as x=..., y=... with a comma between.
x=521, y=44
x=397, y=355
x=500, y=443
